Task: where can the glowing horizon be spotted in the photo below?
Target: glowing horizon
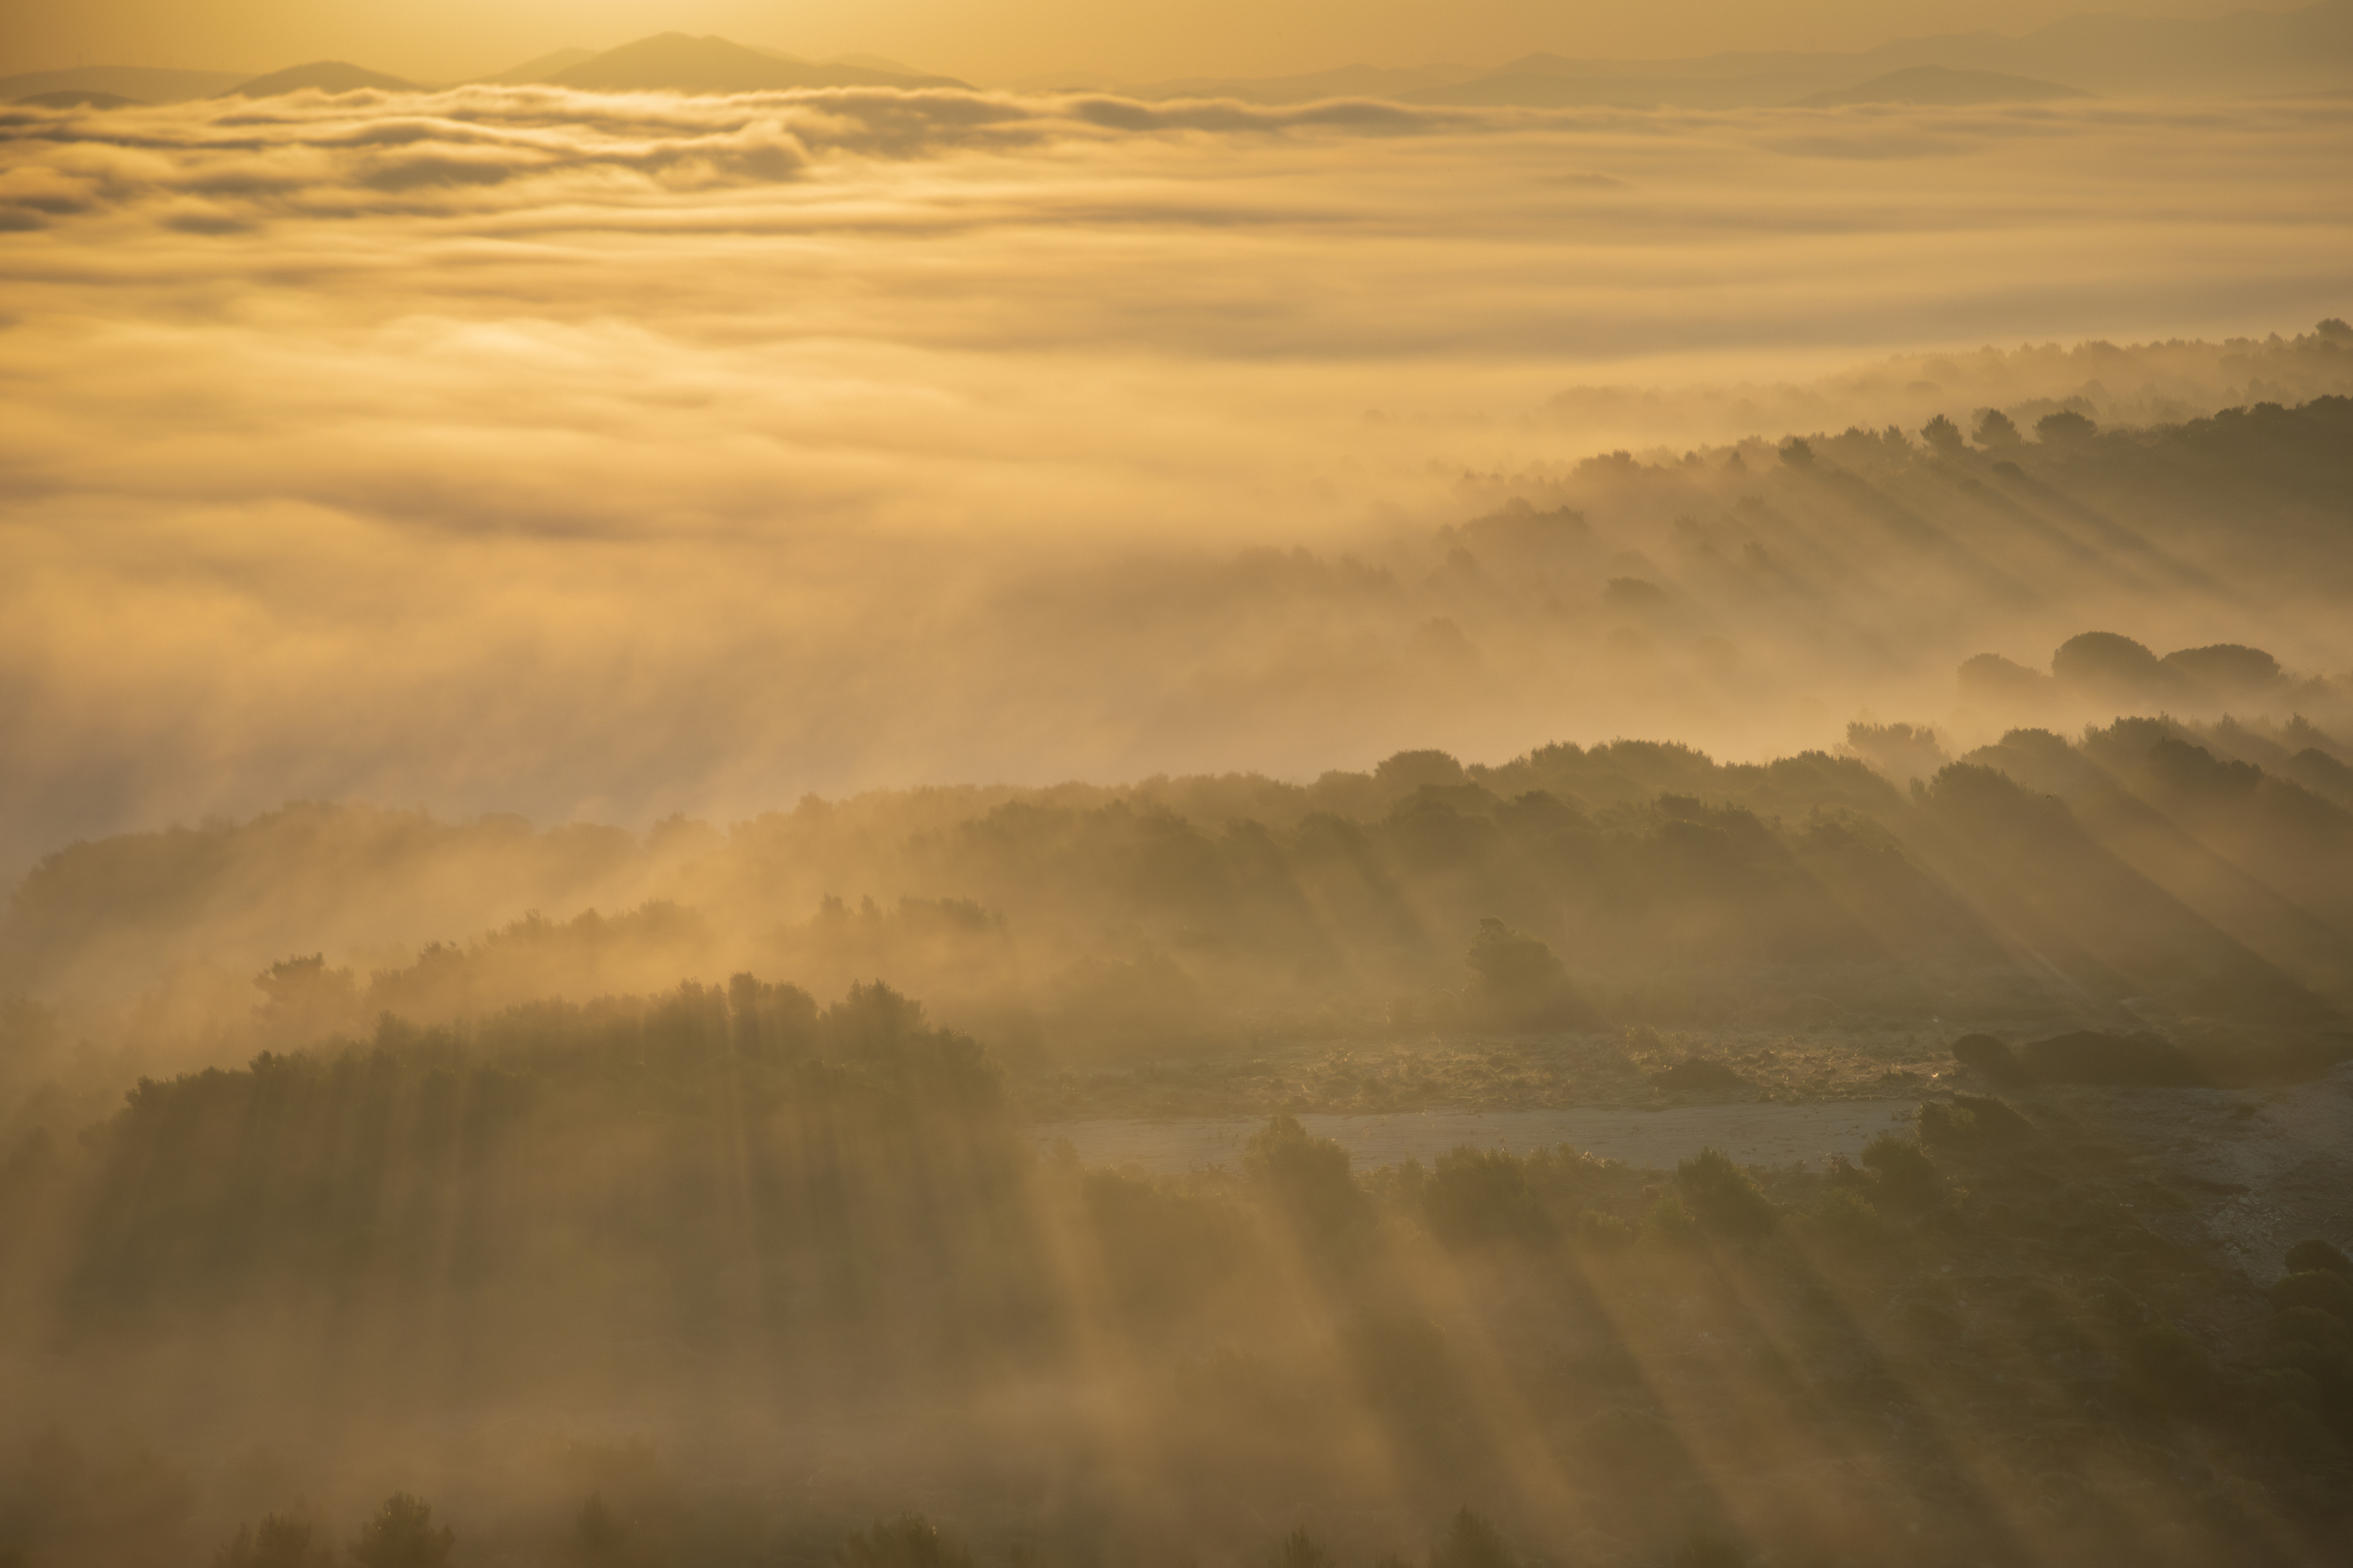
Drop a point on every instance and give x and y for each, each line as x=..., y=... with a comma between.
x=1027, y=41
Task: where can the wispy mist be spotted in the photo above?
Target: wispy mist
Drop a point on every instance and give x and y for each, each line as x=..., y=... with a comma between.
x=516, y=449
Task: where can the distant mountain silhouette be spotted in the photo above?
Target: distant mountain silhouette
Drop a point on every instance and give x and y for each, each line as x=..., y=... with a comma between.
x=1937, y=84
x=2249, y=52
x=2245, y=52
x=326, y=75
x=78, y=97
x=675, y=62
x=541, y=68
x=143, y=84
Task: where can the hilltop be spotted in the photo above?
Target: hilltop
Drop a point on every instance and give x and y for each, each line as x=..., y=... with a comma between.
x=326, y=76
x=2249, y=52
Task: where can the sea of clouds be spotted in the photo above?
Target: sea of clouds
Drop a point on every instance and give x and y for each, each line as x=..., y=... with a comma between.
x=515, y=448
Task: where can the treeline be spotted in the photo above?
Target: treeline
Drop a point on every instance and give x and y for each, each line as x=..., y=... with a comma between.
x=715, y=1167
x=2198, y=868
x=1670, y=888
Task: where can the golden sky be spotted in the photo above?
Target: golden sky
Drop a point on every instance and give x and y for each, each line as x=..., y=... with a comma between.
x=1006, y=40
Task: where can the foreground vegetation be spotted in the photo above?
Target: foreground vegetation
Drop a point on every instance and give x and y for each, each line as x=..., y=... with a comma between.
x=723, y=1276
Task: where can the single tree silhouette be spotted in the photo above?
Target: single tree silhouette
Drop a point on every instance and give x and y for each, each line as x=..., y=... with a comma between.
x=1995, y=428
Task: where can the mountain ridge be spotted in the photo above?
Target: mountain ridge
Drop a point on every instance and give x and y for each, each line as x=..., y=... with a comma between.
x=1942, y=85
x=2245, y=53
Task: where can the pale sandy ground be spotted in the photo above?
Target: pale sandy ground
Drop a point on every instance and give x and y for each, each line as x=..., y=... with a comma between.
x=2261, y=1168
x=1751, y=1134
x=2264, y=1168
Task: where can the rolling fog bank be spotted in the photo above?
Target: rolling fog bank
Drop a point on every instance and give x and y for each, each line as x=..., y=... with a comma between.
x=598, y=457
x=2149, y=824
x=609, y=700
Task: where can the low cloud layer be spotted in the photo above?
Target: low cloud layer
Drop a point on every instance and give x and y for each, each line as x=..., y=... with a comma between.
x=614, y=456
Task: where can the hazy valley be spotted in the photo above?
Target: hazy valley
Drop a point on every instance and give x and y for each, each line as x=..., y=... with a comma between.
x=768, y=809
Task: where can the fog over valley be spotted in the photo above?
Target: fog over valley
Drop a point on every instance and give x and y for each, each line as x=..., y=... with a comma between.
x=1054, y=795
x=505, y=450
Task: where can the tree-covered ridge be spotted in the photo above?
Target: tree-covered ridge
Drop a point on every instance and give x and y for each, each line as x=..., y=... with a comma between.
x=2199, y=867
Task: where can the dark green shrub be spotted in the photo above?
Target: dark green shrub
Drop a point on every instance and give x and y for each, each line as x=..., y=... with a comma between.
x=281, y=1541
x=1164, y=1248
x=1471, y=1542
x=603, y=1539
x=1722, y=1196
x=2315, y=1288
x=2301, y=1327
x=2282, y=1386
x=1972, y=1122
x=2295, y=1430
x=1909, y=1180
x=1520, y=985
x=909, y=1542
x=1669, y=1222
x=1951, y=1125
x=1307, y=1178
x=2291, y=1411
x=2314, y=1345
x=1401, y=1364
x=2170, y=1370
x=1300, y=1550
x=401, y=1534
x=1991, y=1057
x=2317, y=1256
x=1481, y=1195
x=1845, y=1218
x=1603, y=1232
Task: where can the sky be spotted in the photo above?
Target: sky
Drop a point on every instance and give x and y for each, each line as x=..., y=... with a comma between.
x=1003, y=42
